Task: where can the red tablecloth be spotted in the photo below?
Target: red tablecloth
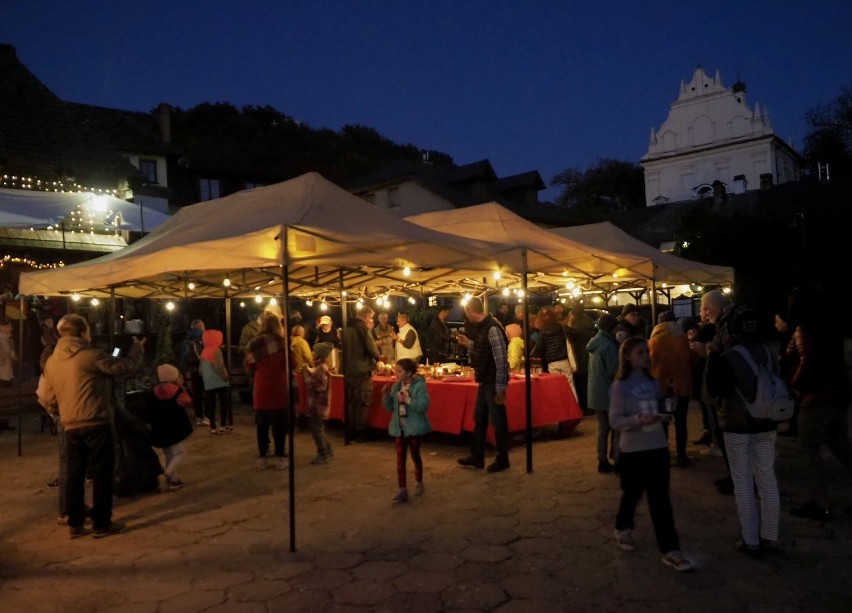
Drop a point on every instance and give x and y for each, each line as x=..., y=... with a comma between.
x=451, y=403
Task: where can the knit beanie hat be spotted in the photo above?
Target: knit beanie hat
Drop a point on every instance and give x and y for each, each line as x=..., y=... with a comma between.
x=322, y=350
x=166, y=373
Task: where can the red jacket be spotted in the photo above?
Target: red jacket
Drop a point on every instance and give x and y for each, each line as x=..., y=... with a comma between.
x=270, y=382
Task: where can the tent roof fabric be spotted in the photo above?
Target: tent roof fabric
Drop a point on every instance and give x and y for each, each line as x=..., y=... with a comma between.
x=325, y=228
x=667, y=268
x=546, y=252
x=21, y=208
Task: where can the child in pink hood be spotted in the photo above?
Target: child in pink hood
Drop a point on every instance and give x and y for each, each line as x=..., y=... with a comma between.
x=170, y=424
x=216, y=386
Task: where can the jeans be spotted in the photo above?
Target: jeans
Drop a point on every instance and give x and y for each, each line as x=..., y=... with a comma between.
x=648, y=472
x=487, y=410
x=277, y=420
x=223, y=394
x=174, y=456
x=317, y=427
x=90, y=448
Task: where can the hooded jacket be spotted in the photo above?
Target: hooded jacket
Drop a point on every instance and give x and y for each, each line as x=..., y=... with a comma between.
x=76, y=381
x=603, y=364
x=671, y=359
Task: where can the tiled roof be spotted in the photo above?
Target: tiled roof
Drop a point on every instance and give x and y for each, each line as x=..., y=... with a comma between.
x=129, y=131
x=40, y=134
x=530, y=179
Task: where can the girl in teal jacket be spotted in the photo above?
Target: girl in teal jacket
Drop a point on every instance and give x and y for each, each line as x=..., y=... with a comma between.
x=407, y=401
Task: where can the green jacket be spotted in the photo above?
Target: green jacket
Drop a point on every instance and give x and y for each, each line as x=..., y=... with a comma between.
x=416, y=423
x=360, y=353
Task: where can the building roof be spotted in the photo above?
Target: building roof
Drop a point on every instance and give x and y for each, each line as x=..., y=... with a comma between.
x=42, y=135
x=130, y=131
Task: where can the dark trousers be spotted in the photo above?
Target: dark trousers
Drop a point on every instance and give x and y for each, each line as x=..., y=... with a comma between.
x=277, y=420
x=487, y=410
x=223, y=395
x=817, y=426
x=718, y=434
x=681, y=409
x=196, y=389
x=90, y=448
x=62, y=477
x=647, y=472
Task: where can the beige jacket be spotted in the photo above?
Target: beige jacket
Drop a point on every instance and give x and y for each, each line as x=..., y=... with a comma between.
x=76, y=382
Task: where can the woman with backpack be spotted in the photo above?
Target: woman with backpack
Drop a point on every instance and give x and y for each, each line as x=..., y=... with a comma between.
x=749, y=442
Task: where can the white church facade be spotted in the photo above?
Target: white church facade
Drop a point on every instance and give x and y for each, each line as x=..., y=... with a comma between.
x=712, y=135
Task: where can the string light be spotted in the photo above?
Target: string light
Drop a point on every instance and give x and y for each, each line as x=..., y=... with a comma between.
x=10, y=259
x=170, y=306
x=406, y=272
x=36, y=184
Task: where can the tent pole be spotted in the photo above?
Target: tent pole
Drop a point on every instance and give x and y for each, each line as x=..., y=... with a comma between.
x=21, y=323
x=527, y=382
x=291, y=405
x=111, y=311
x=654, y=297
x=344, y=315
x=227, y=330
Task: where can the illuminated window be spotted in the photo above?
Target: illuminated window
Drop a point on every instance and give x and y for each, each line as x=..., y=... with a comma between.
x=208, y=189
x=148, y=170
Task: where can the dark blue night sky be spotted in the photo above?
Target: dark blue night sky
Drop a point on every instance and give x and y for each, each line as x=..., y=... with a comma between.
x=529, y=85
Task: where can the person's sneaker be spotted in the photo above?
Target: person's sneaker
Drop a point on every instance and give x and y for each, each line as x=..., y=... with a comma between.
x=77, y=531
x=54, y=483
x=676, y=560
x=605, y=467
x=175, y=484
x=497, y=465
x=205, y=421
x=200, y=422
x=222, y=430
x=320, y=459
x=280, y=464
x=62, y=520
x=752, y=551
x=162, y=484
x=471, y=462
x=624, y=538
x=419, y=489
x=261, y=464
x=214, y=431
x=401, y=495
x=712, y=450
x=705, y=439
x=114, y=528
x=811, y=510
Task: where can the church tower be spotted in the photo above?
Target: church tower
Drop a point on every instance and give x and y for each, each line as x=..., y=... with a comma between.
x=711, y=134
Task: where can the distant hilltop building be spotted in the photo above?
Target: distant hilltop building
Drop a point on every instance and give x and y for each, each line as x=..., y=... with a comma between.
x=713, y=140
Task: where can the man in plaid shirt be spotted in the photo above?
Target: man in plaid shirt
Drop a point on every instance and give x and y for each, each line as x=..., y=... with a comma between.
x=489, y=358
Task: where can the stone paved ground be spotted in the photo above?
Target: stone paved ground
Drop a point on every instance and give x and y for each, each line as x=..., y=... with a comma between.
x=474, y=542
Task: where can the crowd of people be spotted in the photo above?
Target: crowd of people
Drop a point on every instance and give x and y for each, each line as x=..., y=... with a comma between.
x=637, y=380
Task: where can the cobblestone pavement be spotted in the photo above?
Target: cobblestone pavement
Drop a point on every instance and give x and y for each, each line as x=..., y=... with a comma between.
x=512, y=541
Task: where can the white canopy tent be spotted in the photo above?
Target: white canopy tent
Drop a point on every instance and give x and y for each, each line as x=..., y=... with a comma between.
x=308, y=224
x=667, y=268
x=21, y=208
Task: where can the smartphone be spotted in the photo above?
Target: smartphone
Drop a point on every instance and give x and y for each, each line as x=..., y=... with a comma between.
x=116, y=352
